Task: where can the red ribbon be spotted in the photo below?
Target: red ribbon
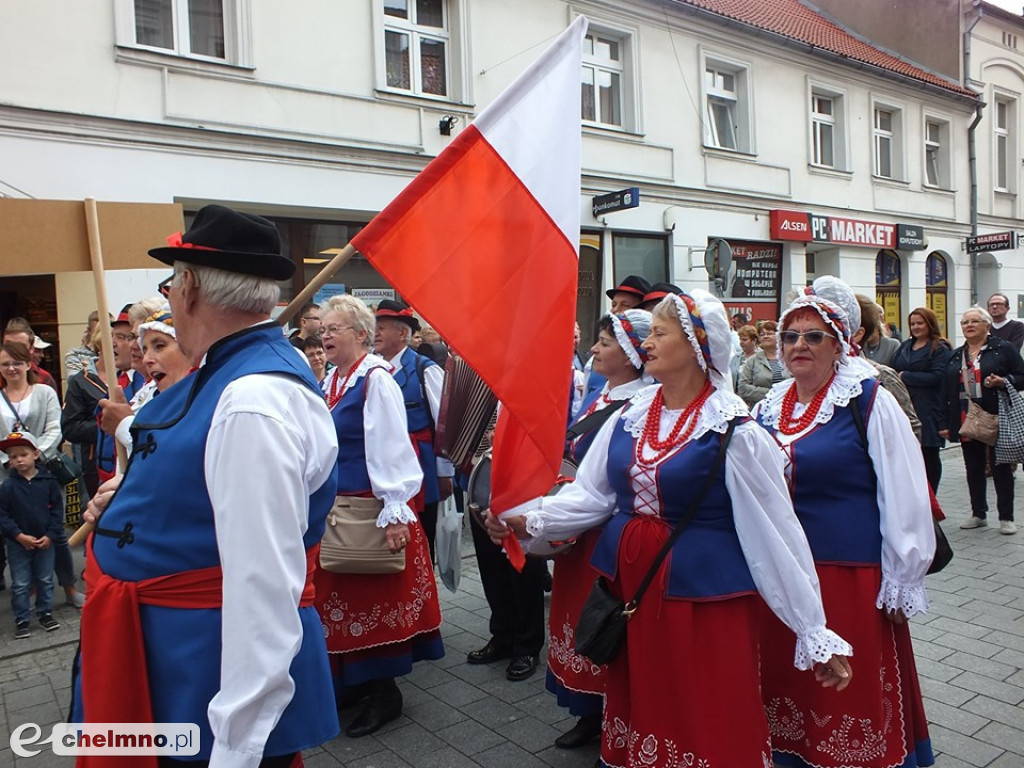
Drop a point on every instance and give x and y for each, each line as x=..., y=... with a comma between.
x=407, y=312
x=175, y=241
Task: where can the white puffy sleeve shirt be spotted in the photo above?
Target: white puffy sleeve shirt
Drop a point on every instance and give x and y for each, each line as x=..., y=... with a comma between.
x=271, y=444
x=769, y=533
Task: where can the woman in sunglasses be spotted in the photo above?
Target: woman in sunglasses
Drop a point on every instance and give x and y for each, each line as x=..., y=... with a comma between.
x=859, y=489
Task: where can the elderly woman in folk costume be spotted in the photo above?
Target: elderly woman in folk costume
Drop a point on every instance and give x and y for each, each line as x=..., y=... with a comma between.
x=695, y=636
x=618, y=356
x=376, y=624
x=860, y=491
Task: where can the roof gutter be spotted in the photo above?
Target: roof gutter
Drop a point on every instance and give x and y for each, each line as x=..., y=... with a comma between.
x=972, y=147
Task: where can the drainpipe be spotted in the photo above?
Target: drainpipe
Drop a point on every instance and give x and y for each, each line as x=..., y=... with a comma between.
x=972, y=150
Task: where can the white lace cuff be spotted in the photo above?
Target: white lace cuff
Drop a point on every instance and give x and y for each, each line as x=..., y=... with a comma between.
x=819, y=645
x=535, y=524
x=911, y=599
x=395, y=512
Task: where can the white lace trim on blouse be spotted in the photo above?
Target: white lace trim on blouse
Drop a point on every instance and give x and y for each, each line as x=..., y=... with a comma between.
x=369, y=361
x=846, y=386
x=395, y=512
x=818, y=646
x=911, y=599
x=715, y=415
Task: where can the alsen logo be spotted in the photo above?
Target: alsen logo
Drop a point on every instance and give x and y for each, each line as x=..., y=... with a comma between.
x=793, y=226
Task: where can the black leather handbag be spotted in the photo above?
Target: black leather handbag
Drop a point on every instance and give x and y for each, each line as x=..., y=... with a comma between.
x=601, y=629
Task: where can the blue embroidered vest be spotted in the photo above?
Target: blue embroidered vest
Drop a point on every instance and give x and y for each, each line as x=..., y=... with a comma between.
x=834, y=488
x=417, y=412
x=164, y=500
x=353, y=479
x=106, y=459
x=706, y=561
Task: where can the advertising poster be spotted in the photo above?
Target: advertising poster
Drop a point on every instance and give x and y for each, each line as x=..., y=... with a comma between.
x=754, y=280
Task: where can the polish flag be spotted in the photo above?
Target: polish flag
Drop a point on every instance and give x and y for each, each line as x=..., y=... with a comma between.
x=483, y=243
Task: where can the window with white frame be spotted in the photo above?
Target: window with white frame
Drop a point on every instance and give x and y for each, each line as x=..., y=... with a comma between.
x=727, y=106
x=937, y=153
x=888, y=142
x=200, y=28
x=417, y=47
x=823, y=130
x=603, y=78
x=1003, y=138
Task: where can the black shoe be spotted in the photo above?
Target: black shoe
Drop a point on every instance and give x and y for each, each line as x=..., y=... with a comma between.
x=47, y=622
x=22, y=631
x=521, y=667
x=383, y=706
x=586, y=728
x=353, y=694
x=489, y=653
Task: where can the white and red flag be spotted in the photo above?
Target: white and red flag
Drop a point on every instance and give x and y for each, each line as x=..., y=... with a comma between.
x=483, y=243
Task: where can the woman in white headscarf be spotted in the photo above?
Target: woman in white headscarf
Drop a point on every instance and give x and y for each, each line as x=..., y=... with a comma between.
x=685, y=688
x=860, y=491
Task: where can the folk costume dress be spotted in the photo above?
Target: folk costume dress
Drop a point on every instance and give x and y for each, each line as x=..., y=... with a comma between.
x=868, y=521
x=377, y=625
x=575, y=680
x=685, y=690
x=226, y=494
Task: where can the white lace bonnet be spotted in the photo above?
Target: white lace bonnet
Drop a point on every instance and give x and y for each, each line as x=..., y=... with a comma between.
x=834, y=300
x=631, y=329
x=159, y=321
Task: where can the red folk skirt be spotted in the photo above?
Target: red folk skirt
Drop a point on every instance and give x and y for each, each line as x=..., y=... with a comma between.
x=571, y=582
x=368, y=615
x=879, y=721
x=685, y=690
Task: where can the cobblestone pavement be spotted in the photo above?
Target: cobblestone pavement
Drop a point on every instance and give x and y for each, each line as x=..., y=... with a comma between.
x=970, y=656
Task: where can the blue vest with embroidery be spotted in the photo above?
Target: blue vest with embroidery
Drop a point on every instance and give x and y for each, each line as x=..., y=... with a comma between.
x=353, y=479
x=834, y=488
x=106, y=450
x=706, y=561
x=417, y=411
x=164, y=500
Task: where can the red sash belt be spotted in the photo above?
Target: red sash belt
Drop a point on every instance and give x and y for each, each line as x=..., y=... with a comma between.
x=418, y=501
x=112, y=636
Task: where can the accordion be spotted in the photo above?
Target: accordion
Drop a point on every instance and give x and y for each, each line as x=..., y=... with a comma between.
x=466, y=416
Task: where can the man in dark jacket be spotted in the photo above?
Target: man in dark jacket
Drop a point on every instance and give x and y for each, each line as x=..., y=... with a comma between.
x=1002, y=327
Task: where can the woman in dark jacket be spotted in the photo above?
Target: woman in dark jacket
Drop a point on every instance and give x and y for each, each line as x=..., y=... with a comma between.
x=921, y=362
x=78, y=421
x=977, y=370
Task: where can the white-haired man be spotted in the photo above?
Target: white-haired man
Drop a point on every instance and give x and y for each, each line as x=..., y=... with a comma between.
x=207, y=549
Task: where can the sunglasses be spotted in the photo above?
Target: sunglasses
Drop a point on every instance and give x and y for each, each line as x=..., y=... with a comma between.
x=814, y=338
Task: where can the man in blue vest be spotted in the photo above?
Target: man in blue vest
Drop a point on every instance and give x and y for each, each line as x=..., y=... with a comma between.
x=420, y=379
x=200, y=603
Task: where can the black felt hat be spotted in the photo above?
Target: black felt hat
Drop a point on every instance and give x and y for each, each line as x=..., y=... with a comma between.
x=235, y=242
x=630, y=284
x=396, y=310
x=122, y=317
x=660, y=290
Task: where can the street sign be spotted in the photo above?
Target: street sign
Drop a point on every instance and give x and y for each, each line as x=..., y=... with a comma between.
x=617, y=201
x=996, y=241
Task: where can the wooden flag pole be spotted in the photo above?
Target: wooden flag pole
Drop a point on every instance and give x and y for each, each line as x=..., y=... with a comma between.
x=316, y=284
x=106, y=339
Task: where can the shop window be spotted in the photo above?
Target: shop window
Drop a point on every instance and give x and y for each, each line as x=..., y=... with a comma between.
x=202, y=29
x=606, y=78
x=1005, y=114
x=937, y=153
x=644, y=255
x=419, y=47
x=888, y=142
x=828, y=129
x=727, y=114
x=888, y=285
x=936, y=282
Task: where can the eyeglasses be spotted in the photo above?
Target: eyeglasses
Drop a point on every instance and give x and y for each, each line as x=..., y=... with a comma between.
x=814, y=338
x=311, y=318
x=125, y=336
x=13, y=366
x=334, y=330
x=971, y=321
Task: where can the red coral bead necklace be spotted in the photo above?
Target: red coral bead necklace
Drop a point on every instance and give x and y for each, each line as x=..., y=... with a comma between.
x=337, y=390
x=790, y=426
x=685, y=424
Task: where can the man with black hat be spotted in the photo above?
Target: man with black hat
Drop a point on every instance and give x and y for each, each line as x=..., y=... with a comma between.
x=628, y=294
x=658, y=292
x=420, y=380
x=200, y=570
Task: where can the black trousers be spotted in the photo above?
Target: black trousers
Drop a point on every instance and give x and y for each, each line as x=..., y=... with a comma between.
x=428, y=519
x=516, y=599
x=975, y=456
x=932, y=466
x=282, y=761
